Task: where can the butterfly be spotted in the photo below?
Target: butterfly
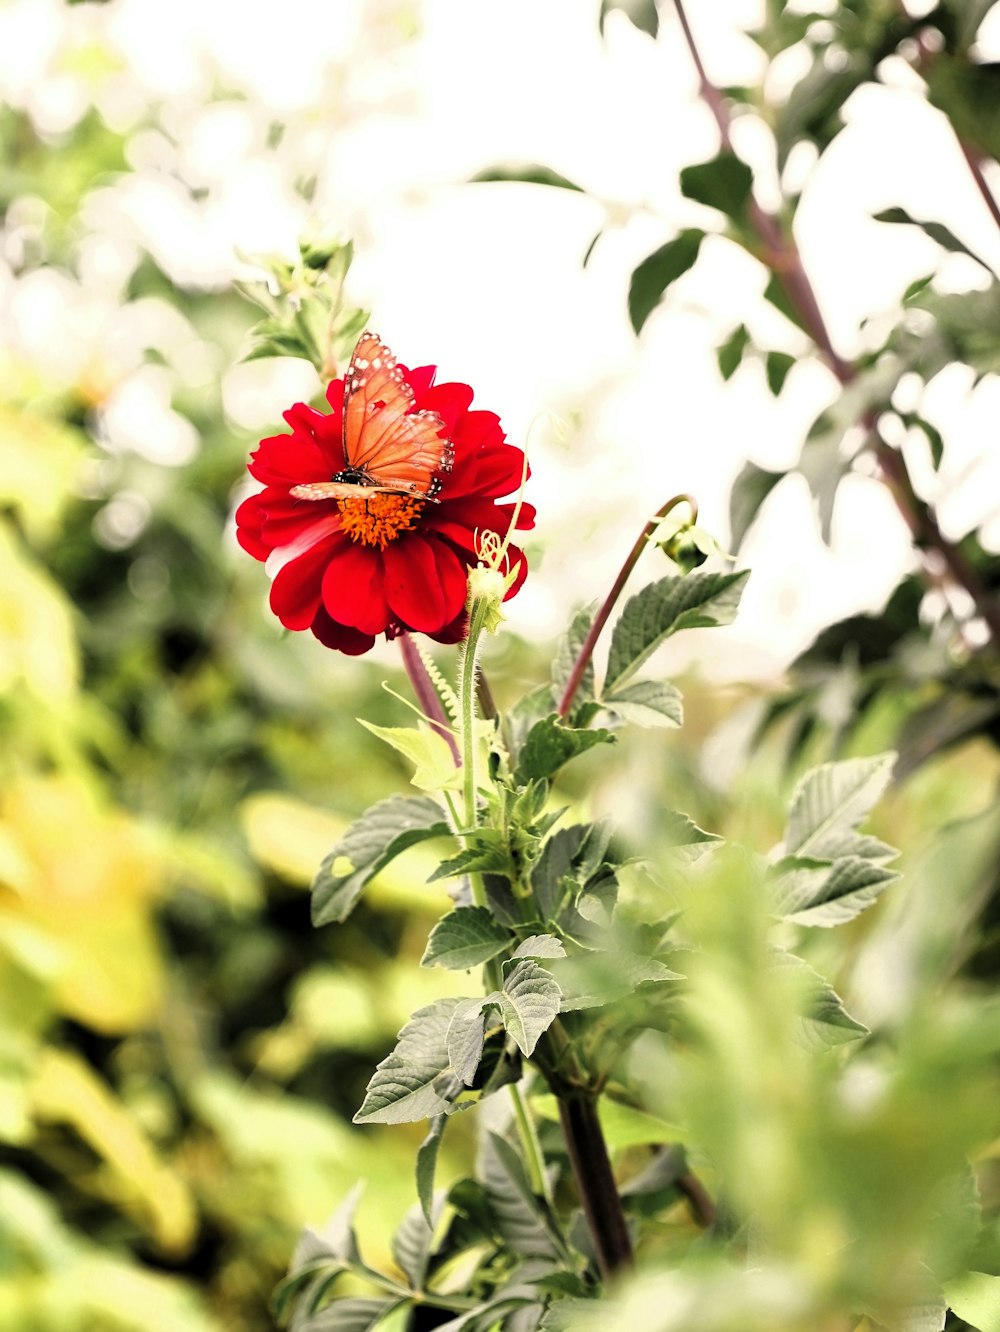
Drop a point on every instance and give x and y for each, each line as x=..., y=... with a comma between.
x=388, y=448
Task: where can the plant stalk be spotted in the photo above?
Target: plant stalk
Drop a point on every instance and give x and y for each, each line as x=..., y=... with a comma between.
x=602, y=1206
x=426, y=694
x=601, y=618
x=781, y=255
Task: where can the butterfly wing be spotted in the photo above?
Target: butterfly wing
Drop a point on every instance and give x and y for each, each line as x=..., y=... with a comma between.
x=398, y=448
x=324, y=490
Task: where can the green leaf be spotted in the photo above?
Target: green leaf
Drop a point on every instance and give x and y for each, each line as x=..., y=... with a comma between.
x=830, y=802
x=724, y=183
x=658, y=271
x=411, y=1245
x=485, y=857
x=730, y=354
x=642, y=13
x=466, y=937
x=935, y=441
x=968, y=95
x=936, y=230
x=402, y=1089
x=427, y=1155
x=776, y=293
x=970, y=15
x=687, y=602
x=519, y=1214
x=825, y=1022
x=353, y=1314
x=372, y=841
x=428, y=751
x=777, y=365
x=589, y=251
x=815, y=892
x=528, y=1003
x=570, y=646
x=550, y=744
x=824, y=466
x=465, y=1038
x=684, y=836
x=750, y=489
x=647, y=703
x=528, y=173
x=591, y=980
x=540, y=945
x=553, y=874
x=975, y=1298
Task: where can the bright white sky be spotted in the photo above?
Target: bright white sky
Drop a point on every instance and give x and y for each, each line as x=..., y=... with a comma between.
x=393, y=105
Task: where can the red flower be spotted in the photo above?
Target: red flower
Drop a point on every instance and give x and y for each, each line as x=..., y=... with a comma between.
x=352, y=568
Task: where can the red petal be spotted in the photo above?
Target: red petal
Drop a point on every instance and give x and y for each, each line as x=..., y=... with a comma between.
x=288, y=460
x=456, y=632
x=353, y=590
x=450, y=401
x=295, y=592
x=340, y=636
x=459, y=522
x=249, y=525
x=425, y=582
x=420, y=381
x=323, y=429
x=495, y=471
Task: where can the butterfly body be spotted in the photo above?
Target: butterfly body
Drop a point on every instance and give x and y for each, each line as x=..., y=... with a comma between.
x=388, y=447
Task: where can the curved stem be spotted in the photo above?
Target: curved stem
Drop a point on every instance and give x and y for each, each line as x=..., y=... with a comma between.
x=601, y=618
x=781, y=255
x=427, y=695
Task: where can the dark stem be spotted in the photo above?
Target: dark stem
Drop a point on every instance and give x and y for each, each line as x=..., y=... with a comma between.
x=925, y=57
x=601, y=618
x=602, y=1206
x=702, y=1207
x=975, y=160
x=782, y=256
x=427, y=696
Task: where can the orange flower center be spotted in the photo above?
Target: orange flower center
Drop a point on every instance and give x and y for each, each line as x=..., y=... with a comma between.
x=378, y=519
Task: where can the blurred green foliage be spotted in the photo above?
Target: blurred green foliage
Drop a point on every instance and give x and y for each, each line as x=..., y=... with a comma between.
x=181, y=1053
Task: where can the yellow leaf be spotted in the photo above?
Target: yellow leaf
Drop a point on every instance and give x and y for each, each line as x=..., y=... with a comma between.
x=428, y=751
x=78, y=909
x=67, y=1090
x=37, y=641
x=287, y=835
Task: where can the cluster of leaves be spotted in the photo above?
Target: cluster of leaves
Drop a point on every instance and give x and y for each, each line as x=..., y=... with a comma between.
x=175, y=1095
x=306, y=312
x=914, y=649
x=576, y=973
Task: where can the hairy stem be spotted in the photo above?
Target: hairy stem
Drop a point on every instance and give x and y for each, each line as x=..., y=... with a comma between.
x=426, y=694
x=781, y=255
x=601, y=618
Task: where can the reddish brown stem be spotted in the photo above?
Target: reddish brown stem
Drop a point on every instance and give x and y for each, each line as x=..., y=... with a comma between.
x=427, y=696
x=782, y=256
x=975, y=160
x=601, y=618
x=588, y=1155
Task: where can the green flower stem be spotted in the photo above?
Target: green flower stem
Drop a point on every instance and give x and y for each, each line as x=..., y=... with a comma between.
x=467, y=703
x=534, y=1159
x=601, y=618
x=531, y=1147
